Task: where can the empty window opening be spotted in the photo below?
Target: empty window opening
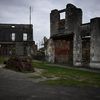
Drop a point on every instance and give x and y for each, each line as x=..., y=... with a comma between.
x=62, y=15
x=24, y=36
x=13, y=37
x=13, y=26
x=86, y=37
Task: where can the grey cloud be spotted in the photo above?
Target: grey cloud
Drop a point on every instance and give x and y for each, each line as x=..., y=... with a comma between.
x=13, y=2
x=17, y=11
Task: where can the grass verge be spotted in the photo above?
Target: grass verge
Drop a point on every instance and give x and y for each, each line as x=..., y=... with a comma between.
x=68, y=76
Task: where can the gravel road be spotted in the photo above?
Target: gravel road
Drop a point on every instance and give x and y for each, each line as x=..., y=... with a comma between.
x=16, y=86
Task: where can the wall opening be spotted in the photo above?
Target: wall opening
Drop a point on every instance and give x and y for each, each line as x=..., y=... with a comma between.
x=85, y=51
x=62, y=15
x=13, y=26
x=13, y=36
x=24, y=36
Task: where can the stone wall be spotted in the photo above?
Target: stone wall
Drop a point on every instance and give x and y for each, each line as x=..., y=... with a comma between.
x=54, y=22
x=86, y=37
x=68, y=26
x=73, y=22
x=95, y=43
x=7, y=49
x=85, y=29
x=22, y=39
x=50, y=51
x=6, y=31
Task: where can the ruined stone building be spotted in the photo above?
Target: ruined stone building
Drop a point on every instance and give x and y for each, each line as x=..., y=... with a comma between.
x=17, y=39
x=71, y=41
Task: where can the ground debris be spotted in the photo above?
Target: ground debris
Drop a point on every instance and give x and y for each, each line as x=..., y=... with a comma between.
x=22, y=64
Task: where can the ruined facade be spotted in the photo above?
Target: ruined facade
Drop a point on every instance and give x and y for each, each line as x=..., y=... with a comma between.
x=72, y=42
x=17, y=39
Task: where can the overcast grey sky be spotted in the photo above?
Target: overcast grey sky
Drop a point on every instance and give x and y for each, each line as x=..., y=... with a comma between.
x=17, y=11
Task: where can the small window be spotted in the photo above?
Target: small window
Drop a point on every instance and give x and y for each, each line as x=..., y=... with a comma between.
x=62, y=15
x=13, y=37
x=24, y=36
x=13, y=26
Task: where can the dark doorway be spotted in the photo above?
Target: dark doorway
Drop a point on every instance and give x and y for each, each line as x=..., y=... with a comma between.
x=85, y=51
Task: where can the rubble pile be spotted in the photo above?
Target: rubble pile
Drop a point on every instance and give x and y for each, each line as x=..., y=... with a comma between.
x=21, y=64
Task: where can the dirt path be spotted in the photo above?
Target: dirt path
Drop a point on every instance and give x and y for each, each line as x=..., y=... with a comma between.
x=16, y=86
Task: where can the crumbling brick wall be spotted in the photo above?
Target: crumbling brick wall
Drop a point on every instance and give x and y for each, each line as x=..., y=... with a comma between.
x=18, y=36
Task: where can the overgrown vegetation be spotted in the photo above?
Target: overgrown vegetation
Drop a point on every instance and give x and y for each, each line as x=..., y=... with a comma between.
x=67, y=76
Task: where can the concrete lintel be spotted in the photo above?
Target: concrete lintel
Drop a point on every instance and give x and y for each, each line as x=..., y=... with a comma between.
x=61, y=11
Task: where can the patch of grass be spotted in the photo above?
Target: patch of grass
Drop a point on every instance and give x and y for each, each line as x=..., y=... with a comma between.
x=2, y=59
x=68, y=76
x=71, y=82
